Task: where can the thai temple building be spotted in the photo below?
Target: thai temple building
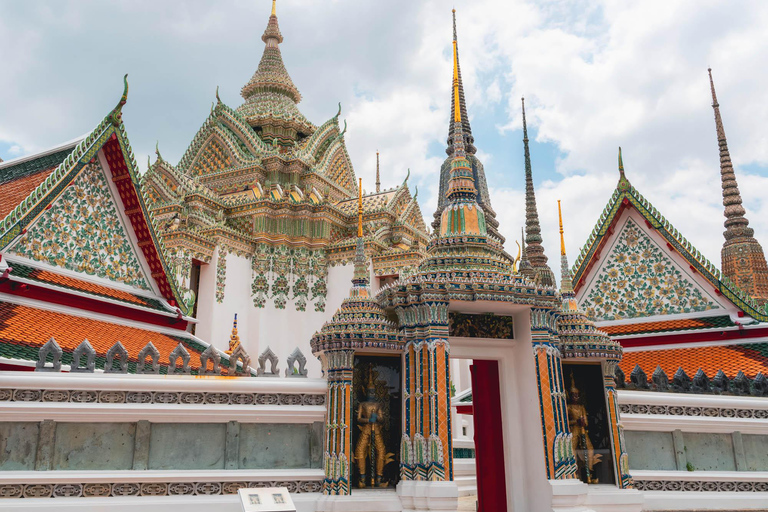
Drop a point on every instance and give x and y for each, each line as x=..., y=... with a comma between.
x=251, y=317
x=259, y=216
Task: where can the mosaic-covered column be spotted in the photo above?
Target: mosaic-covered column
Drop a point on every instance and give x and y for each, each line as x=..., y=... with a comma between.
x=426, y=447
x=558, y=450
x=621, y=458
x=339, y=367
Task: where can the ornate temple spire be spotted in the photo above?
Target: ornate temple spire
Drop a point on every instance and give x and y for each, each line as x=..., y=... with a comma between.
x=378, y=177
x=532, y=227
x=743, y=260
x=461, y=185
x=525, y=268
x=360, y=278
x=566, y=282
x=462, y=239
x=736, y=224
x=271, y=73
x=270, y=95
x=458, y=103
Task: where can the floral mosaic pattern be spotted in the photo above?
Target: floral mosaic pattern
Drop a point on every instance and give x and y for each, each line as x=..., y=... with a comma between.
x=221, y=274
x=82, y=232
x=638, y=279
x=282, y=274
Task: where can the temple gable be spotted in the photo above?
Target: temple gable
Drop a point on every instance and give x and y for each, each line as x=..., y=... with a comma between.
x=638, y=278
x=82, y=232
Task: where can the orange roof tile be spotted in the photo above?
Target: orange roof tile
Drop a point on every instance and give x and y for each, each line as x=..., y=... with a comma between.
x=14, y=192
x=665, y=325
x=77, y=284
x=26, y=327
x=749, y=358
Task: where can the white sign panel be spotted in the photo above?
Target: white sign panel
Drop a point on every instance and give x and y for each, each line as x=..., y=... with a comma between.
x=266, y=499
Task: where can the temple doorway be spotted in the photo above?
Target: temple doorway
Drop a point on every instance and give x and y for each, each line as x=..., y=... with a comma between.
x=478, y=416
x=489, y=438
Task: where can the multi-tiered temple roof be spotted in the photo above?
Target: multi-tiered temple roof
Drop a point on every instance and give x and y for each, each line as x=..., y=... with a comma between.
x=82, y=268
x=262, y=176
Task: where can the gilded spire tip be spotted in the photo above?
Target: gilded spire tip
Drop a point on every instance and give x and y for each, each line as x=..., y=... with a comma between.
x=360, y=209
x=273, y=8
x=456, y=99
x=562, y=238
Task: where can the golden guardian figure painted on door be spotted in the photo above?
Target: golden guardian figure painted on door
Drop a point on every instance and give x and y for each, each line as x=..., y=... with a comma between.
x=370, y=447
x=578, y=422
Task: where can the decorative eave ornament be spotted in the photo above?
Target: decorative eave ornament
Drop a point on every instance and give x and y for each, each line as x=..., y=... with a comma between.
x=116, y=116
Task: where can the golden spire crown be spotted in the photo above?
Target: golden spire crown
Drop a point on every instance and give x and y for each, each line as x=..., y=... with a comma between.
x=360, y=209
x=456, y=99
x=273, y=7
x=562, y=238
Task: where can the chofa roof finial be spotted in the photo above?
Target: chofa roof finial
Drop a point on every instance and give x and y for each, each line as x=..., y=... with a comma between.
x=621, y=164
x=117, y=113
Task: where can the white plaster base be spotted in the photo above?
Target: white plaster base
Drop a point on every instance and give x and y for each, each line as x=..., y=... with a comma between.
x=705, y=501
x=361, y=500
x=576, y=496
x=221, y=503
x=419, y=495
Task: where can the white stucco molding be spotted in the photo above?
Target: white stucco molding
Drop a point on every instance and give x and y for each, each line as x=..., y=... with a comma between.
x=666, y=412
x=220, y=475
x=180, y=383
x=160, y=413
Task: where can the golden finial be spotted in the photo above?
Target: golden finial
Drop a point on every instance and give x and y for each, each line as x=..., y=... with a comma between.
x=457, y=103
x=621, y=164
x=360, y=209
x=273, y=8
x=562, y=239
x=234, y=339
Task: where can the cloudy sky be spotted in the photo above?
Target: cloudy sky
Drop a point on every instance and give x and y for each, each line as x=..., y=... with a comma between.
x=596, y=75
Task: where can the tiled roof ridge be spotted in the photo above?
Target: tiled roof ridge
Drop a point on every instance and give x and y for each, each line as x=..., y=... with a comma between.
x=679, y=243
x=32, y=166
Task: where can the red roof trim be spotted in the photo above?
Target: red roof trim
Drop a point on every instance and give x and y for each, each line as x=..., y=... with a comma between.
x=136, y=214
x=32, y=291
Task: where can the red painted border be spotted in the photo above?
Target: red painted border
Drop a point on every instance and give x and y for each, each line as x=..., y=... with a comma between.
x=31, y=291
x=132, y=205
x=465, y=409
x=694, y=337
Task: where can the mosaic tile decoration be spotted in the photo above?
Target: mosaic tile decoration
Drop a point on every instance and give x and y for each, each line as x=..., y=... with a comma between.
x=82, y=232
x=639, y=279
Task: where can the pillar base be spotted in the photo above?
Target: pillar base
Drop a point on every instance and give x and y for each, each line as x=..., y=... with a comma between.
x=576, y=496
x=361, y=500
x=418, y=495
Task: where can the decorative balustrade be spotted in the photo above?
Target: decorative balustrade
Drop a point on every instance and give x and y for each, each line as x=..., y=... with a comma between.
x=148, y=361
x=719, y=384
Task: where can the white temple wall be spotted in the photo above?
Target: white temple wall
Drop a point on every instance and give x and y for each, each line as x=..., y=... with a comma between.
x=206, y=300
x=282, y=330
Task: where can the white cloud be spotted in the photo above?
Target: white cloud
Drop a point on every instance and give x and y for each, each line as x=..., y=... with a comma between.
x=596, y=75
